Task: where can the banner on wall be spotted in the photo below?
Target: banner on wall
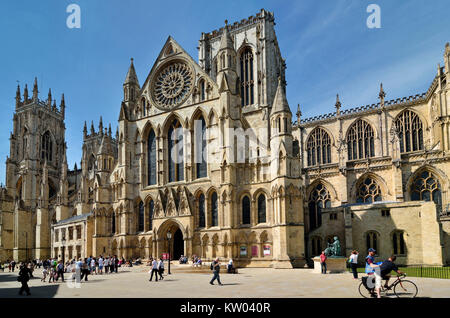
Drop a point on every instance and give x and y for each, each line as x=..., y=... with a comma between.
x=254, y=250
x=243, y=250
x=266, y=250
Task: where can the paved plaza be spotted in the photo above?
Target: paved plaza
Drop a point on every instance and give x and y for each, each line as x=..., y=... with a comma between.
x=188, y=283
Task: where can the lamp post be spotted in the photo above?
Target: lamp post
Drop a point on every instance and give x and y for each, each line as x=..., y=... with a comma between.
x=63, y=242
x=169, y=237
x=26, y=246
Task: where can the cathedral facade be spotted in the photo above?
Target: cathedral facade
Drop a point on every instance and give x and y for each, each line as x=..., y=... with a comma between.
x=208, y=161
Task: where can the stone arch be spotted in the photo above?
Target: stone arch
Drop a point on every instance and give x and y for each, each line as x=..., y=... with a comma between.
x=215, y=241
x=380, y=181
x=244, y=45
x=212, y=117
x=374, y=128
x=168, y=225
x=328, y=185
x=378, y=240
x=330, y=134
x=422, y=118
x=260, y=191
x=443, y=179
x=441, y=185
x=198, y=112
x=169, y=119
x=146, y=130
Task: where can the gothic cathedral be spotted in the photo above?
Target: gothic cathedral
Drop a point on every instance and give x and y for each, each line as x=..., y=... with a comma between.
x=208, y=161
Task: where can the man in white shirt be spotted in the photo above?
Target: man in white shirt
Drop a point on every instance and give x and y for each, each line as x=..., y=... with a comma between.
x=154, y=270
x=100, y=265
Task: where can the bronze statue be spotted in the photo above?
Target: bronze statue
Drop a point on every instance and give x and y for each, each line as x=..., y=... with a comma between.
x=334, y=249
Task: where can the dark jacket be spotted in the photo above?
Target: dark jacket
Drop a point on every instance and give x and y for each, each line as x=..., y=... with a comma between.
x=24, y=275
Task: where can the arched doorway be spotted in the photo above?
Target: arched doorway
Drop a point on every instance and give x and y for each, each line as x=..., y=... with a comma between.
x=178, y=245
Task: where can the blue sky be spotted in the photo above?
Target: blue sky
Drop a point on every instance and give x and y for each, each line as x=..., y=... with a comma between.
x=327, y=46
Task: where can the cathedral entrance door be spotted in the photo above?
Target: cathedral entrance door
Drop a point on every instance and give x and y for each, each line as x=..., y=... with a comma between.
x=178, y=245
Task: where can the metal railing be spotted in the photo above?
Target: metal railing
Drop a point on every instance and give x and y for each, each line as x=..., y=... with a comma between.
x=425, y=271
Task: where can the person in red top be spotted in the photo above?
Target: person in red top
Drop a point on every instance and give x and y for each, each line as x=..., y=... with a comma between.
x=323, y=264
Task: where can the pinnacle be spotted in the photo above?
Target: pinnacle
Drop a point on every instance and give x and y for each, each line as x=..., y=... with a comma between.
x=131, y=75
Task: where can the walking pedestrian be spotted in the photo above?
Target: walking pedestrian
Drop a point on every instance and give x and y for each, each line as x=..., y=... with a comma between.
x=161, y=268
x=24, y=277
x=106, y=264
x=44, y=274
x=100, y=265
x=116, y=263
x=60, y=271
x=354, y=263
x=93, y=266
x=215, y=266
x=323, y=264
x=85, y=270
x=154, y=270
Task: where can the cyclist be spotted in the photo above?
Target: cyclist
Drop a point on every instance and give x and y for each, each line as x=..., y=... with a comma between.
x=386, y=268
x=374, y=268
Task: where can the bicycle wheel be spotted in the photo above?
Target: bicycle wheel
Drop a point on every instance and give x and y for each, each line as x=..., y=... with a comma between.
x=364, y=291
x=405, y=289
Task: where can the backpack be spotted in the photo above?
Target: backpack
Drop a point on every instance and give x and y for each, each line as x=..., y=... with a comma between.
x=212, y=267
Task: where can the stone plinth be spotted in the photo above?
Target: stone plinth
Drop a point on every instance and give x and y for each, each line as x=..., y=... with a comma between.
x=334, y=264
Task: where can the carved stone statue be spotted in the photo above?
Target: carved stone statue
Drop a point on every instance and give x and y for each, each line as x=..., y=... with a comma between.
x=334, y=249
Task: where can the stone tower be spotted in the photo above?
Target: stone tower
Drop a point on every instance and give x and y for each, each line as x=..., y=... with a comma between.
x=33, y=175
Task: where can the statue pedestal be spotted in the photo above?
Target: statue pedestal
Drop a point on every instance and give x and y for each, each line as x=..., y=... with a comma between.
x=334, y=264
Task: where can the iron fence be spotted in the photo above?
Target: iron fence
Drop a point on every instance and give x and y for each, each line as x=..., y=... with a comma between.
x=426, y=271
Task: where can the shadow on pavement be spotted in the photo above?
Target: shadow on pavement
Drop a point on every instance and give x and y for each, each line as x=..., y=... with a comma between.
x=10, y=277
x=36, y=292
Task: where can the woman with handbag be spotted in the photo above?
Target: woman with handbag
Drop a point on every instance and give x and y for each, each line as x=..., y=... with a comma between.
x=353, y=260
x=161, y=268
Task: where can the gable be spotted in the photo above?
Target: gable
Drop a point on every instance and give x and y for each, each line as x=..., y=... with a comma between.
x=174, y=78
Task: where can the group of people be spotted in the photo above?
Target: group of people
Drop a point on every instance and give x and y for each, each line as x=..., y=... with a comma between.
x=157, y=269
x=381, y=270
x=196, y=261
x=54, y=269
x=183, y=259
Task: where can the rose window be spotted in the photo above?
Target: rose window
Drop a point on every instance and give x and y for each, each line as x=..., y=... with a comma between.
x=172, y=85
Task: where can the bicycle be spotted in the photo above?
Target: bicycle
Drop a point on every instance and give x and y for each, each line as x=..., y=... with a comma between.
x=401, y=287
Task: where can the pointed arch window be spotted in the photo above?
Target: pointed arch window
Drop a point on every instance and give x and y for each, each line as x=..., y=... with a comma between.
x=426, y=187
x=202, y=90
x=247, y=82
x=372, y=241
x=261, y=208
x=144, y=106
x=246, y=210
x=360, y=141
x=316, y=245
x=151, y=210
x=201, y=211
x=113, y=223
x=398, y=243
x=176, y=152
x=319, y=147
x=200, y=147
x=368, y=191
x=318, y=199
x=214, y=210
x=47, y=147
x=410, y=131
x=92, y=163
x=151, y=157
x=141, y=217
